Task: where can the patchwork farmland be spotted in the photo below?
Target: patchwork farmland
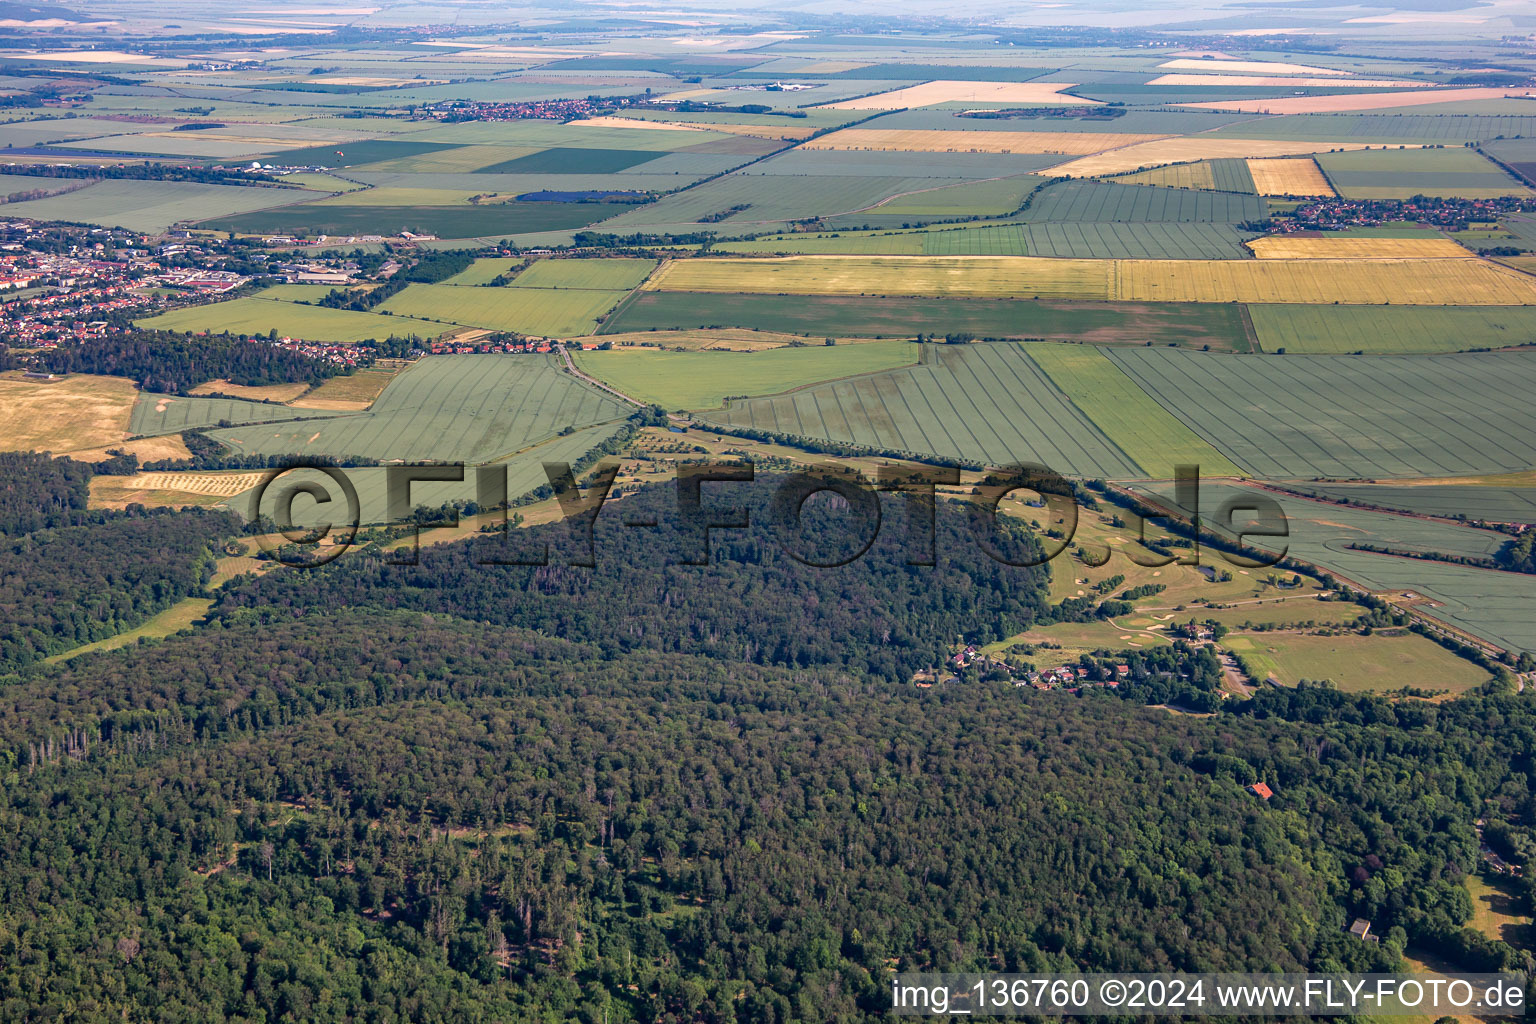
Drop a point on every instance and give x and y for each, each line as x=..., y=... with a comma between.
x=978, y=403
x=1426, y=415
x=702, y=380
x=1139, y=426
x=1151, y=227
x=472, y=408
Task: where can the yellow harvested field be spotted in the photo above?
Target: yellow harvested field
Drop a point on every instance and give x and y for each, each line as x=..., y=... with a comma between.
x=1299, y=176
x=351, y=393
x=77, y=412
x=631, y=122
x=761, y=131
x=976, y=276
x=222, y=485
x=930, y=140
x=1196, y=175
x=1187, y=149
x=1253, y=67
x=266, y=393
x=148, y=449
x=1370, y=101
x=1289, y=247
x=947, y=91
x=1350, y=281
x=1270, y=81
x=1466, y=282
x=382, y=83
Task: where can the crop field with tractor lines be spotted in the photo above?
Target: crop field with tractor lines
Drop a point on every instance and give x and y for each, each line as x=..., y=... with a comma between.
x=1374, y=281
x=472, y=408
x=987, y=403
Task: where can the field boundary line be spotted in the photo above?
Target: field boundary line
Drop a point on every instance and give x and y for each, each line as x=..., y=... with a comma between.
x=1046, y=375
x=727, y=406
x=1252, y=332
x=920, y=191
x=570, y=367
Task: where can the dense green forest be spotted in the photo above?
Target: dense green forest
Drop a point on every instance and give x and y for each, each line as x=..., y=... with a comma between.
x=60, y=588
x=660, y=792
x=174, y=363
x=753, y=602
x=37, y=491
x=402, y=816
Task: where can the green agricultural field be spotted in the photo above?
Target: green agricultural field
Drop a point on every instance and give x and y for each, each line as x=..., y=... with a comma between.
x=995, y=198
x=862, y=243
x=1229, y=175
x=259, y=315
x=1403, y=173
x=486, y=220
x=1220, y=326
x=986, y=404
x=1084, y=199
x=1090, y=240
x=1357, y=664
x=152, y=205
x=353, y=154
x=545, y=312
x=773, y=198
x=401, y=197
x=154, y=415
x=11, y=184
x=540, y=134
x=1489, y=499
x=703, y=380
x=1141, y=428
x=1339, y=330
x=831, y=162
x=295, y=292
x=1379, y=128
x=570, y=161
x=484, y=271
x=1098, y=240
x=1346, y=417
x=452, y=160
x=601, y=275
x=471, y=408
